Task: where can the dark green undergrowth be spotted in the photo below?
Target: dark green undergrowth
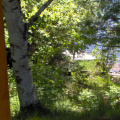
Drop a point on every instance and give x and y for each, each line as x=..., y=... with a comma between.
x=81, y=96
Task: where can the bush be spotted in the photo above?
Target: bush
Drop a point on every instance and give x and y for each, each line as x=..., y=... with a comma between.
x=49, y=83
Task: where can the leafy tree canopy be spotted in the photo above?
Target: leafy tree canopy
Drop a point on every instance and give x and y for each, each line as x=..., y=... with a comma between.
x=65, y=24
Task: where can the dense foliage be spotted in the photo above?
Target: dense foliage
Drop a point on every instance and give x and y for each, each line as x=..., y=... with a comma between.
x=81, y=88
x=63, y=25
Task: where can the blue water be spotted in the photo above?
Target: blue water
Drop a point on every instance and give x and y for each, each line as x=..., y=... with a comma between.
x=118, y=55
x=90, y=49
x=118, y=61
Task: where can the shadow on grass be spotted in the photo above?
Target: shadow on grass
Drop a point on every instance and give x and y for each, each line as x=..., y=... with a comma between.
x=103, y=113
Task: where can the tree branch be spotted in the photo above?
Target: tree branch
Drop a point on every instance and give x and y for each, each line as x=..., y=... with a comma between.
x=36, y=16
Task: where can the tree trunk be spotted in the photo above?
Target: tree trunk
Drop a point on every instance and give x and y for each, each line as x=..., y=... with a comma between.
x=19, y=52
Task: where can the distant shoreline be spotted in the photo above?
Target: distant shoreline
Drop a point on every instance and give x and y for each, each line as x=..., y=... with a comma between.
x=113, y=74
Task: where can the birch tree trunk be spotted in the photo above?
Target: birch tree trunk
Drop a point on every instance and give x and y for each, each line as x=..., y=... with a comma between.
x=18, y=35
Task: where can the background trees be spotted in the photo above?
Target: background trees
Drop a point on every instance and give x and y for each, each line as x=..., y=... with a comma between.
x=108, y=27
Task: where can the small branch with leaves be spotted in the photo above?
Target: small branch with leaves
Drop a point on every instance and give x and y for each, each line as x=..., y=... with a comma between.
x=36, y=16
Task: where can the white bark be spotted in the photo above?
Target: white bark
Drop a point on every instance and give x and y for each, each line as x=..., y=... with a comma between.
x=18, y=32
x=19, y=49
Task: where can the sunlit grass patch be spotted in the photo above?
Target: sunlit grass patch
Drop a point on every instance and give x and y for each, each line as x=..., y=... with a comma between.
x=14, y=105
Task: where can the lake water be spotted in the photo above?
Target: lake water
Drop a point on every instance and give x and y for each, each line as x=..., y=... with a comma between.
x=90, y=49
